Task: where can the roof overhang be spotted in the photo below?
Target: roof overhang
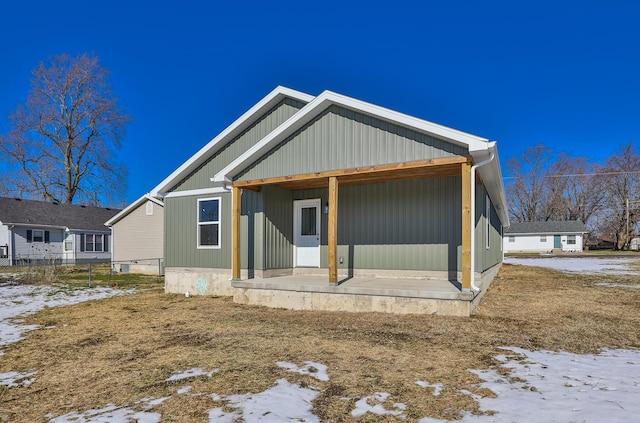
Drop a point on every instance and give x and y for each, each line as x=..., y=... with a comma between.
x=233, y=130
x=322, y=102
x=33, y=225
x=479, y=148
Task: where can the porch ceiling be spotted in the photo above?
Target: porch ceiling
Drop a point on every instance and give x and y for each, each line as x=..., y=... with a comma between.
x=448, y=166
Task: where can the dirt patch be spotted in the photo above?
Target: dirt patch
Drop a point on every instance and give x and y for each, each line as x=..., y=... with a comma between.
x=123, y=349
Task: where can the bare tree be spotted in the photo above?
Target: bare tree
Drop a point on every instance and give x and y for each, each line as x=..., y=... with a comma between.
x=526, y=191
x=582, y=187
x=621, y=174
x=63, y=140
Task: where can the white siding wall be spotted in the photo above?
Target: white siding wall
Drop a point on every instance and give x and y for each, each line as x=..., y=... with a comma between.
x=4, y=235
x=533, y=243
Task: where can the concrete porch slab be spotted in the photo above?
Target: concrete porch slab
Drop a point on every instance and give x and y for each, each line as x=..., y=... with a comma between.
x=387, y=287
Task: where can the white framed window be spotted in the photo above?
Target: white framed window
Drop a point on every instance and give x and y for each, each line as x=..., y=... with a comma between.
x=38, y=235
x=209, y=222
x=149, y=208
x=543, y=238
x=94, y=243
x=571, y=240
x=512, y=238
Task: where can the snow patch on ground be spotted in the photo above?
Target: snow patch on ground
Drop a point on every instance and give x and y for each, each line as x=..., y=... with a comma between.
x=283, y=402
x=17, y=300
x=16, y=379
x=374, y=404
x=437, y=387
x=591, y=265
x=114, y=414
x=191, y=373
x=315, y=370
x=560, y=387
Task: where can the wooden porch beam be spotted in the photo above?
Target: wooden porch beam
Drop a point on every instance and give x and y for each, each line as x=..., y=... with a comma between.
x=235, y=231
x=366, y=174
x=466, y=225
x=333, y=231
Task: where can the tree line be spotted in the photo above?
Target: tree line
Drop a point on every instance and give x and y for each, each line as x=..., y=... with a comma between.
x=605, y=196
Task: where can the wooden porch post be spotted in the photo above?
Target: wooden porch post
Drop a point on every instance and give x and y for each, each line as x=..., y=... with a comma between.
x=235, y=231
x=466, y=225
x=333, y=231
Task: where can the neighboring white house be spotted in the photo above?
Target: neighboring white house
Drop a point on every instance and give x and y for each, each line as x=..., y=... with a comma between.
x=36, y=231
x=137, y=242
x=546, y=236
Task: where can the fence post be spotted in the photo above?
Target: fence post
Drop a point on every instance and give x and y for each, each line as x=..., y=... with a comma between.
x=89, y=274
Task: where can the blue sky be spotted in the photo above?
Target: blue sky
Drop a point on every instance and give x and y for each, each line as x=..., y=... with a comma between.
x=562, y=73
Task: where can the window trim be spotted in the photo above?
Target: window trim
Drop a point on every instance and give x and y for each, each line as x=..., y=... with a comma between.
x=218, y=222
x=543, y=238
x=33, y=236
x=573, y=241
x=94, y=235
x=512, y=238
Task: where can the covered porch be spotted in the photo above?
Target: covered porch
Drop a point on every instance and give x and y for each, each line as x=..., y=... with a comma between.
x=415, y=288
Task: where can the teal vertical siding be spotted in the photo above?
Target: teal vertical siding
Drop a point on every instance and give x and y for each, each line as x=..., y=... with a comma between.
x=486, y=258
x=341, y=139
x=412, y=225
x=278, y=228
x=181, y=234
x=200, y=178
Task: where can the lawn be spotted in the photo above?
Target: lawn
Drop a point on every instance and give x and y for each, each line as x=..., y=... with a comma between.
x=125, y=349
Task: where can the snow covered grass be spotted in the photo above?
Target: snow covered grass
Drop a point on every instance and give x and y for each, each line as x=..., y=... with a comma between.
x=589, y=265
x=572, y=356
x=18, y=300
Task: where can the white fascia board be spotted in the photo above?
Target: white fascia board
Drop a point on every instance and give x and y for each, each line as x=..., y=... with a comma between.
x=328, y=98
x=29, y=225
x=193, y=192
x=131, y=207
x=239, y=125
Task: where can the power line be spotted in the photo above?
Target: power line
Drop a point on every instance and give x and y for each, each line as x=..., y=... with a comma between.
x=579, y=174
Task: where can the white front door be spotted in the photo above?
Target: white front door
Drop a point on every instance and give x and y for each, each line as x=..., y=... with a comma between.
x=306, y=229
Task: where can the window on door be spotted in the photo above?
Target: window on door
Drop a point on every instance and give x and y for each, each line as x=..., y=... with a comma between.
x=308, y=221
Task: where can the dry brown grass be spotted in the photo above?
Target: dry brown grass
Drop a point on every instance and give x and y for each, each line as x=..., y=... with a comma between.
x=122, y=349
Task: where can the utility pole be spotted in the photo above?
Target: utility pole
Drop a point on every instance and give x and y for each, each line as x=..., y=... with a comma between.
x=626, y=239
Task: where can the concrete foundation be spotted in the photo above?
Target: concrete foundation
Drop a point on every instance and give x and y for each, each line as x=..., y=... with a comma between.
x=306, y=290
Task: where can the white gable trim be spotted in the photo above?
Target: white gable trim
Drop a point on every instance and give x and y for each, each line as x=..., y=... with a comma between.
x=192, y=192
x=239, y=125
x=328, y=98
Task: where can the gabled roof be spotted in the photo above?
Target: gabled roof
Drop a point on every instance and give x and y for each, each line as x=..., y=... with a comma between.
x=131, y=207
x=236, y=128
x=547, y=227
x=479, y=148
x=14, y=211
x=329, y=98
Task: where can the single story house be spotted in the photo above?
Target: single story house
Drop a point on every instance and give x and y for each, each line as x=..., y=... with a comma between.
x=332, y=203
x=137, y=237
x=38, y=231
x=545, y=236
